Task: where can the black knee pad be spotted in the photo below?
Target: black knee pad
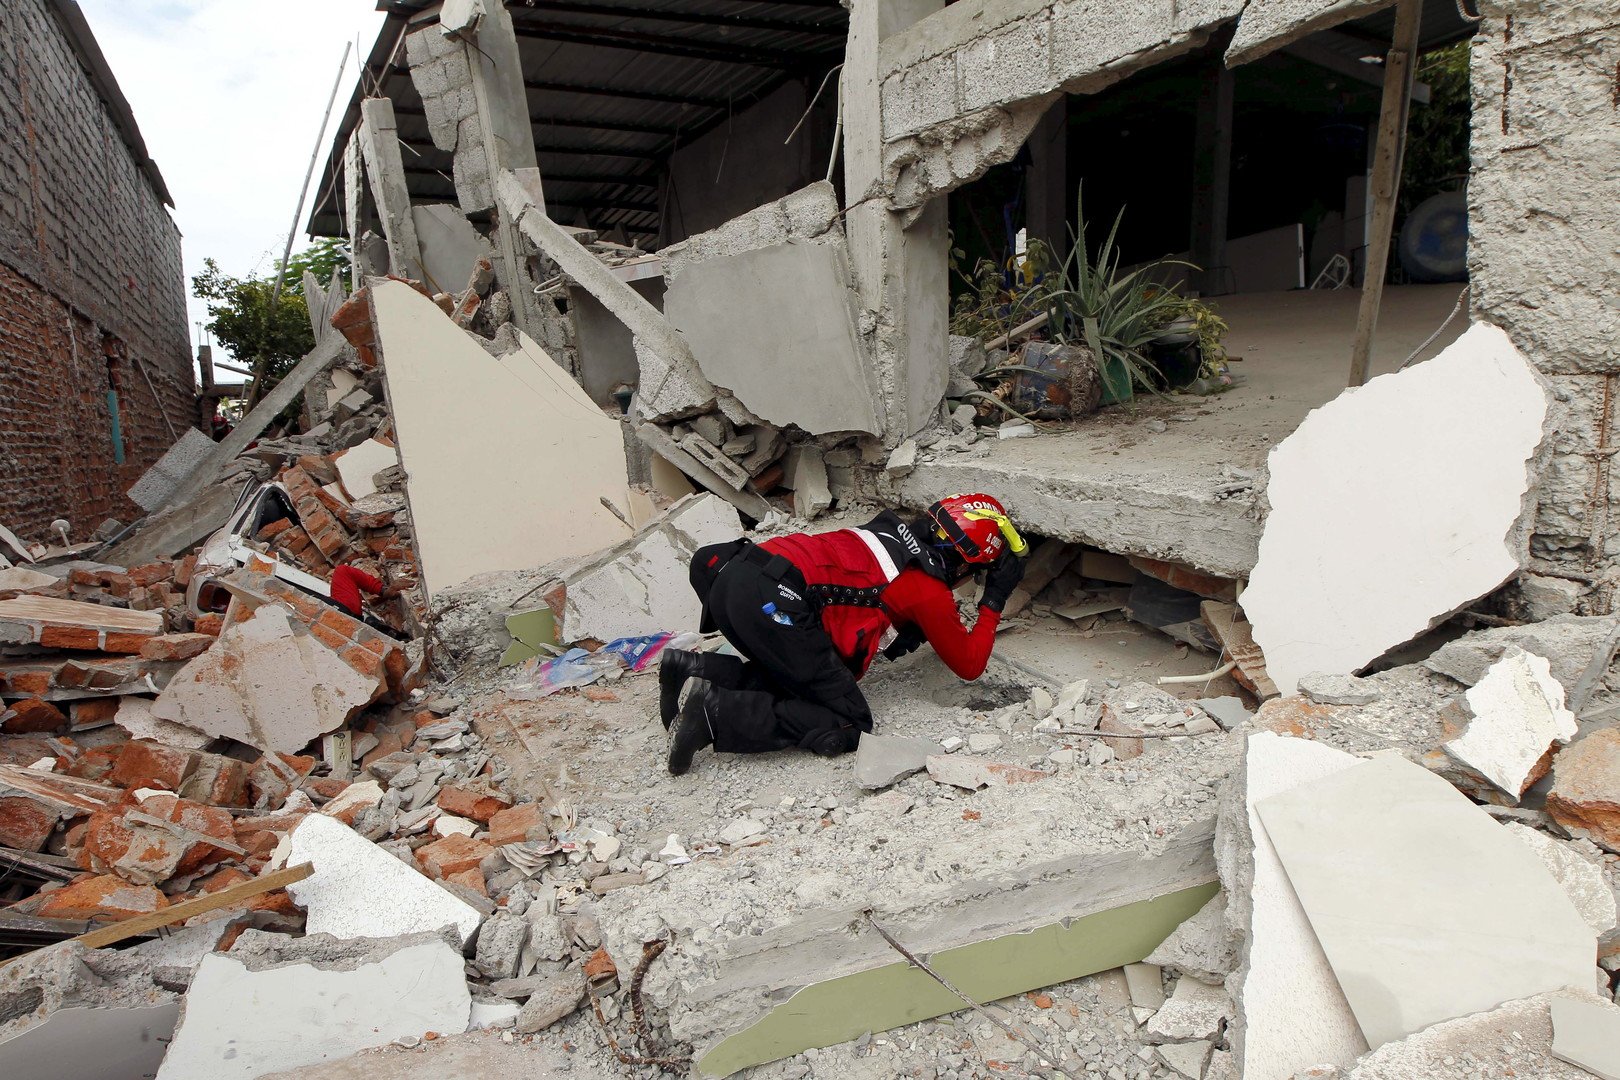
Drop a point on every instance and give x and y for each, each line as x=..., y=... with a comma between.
x=832, y=743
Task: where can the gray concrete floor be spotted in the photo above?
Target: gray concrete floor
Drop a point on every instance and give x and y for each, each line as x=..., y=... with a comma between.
x=1170, y=492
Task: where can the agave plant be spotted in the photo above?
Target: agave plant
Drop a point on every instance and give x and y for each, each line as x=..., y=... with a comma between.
x=1114, y=316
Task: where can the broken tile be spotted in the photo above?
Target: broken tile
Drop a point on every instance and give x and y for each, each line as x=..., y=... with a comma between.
x=1420, y=473
x=1293, y=1014
x=1587, y=1035
x=502, y=454
x=1585, y=793
x=1425, y=908
x=248, y=1015
x=269, y=683
x=884, y=760
x=360, y=890
x=1519, y=713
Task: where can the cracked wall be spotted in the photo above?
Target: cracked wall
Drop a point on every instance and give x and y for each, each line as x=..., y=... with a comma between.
x=1544, y=260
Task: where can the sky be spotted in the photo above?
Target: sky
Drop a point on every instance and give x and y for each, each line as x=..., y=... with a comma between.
x=228, y=95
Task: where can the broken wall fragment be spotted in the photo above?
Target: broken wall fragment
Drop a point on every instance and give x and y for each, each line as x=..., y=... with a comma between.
x=1394, y=505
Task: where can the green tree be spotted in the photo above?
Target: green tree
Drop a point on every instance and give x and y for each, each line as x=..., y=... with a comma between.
x=1436, y=156
x=242, y=319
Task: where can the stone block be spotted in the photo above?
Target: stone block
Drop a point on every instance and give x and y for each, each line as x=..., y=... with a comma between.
x=1519, y=714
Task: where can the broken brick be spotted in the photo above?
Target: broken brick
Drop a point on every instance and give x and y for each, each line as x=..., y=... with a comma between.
x=32, y=715
x=144, y=763
x=1585, y=793
x=25, y=825
x=480, y=806
x=93, y=712
x=517, y=824
x=452, y=855
x=101, y=897
x=175, y=646
x=471, y=878
x=210, y=624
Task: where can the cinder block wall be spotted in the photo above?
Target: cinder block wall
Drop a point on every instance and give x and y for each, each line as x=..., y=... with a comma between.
x=1544, y=255
x=90, y=283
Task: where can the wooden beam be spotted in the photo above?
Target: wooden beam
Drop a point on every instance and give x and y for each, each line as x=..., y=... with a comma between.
x=1386, y=179
x=230, y=896
x=621, y=11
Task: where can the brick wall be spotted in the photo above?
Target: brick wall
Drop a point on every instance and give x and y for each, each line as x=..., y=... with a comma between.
x=92, y=295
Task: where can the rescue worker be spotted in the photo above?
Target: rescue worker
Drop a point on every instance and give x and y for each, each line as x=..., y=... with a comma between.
x=809, y=613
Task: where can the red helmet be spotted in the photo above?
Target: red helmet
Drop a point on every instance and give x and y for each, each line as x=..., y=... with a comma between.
x=976, y=526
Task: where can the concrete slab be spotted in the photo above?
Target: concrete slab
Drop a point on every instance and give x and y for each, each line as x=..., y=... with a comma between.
x=135, y=716
x=1519, y=714
x=640, y=586
x=360, y=890
x=1196, y=1010
x=1191, y=493
x=508, y=459
x=1587, y=1035
x=802, y=364
x=92, y=1044
x=1426, y=909
x=450, y=246
x=1200, y=948
x=1422, y=474
x=1293, y=1013
x=268, y=682
x=1115, y=909
x=171, y=470
x=357, y=465
x=241, y=1021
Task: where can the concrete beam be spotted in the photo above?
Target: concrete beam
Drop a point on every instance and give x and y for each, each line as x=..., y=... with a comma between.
x=379, y=145
x=517, y=201
x=831, y=977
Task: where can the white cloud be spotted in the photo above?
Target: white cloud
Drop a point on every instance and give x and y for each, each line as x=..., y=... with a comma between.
x=228, y=94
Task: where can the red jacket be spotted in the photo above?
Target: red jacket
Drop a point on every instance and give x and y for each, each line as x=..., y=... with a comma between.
x=907, y=596
x=347, y=583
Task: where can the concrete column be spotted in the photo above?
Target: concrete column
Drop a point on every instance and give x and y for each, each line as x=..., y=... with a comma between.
x=900, y=270
x=1212, y=178
x=379, y=144
x=1049, y=192
x=354, y=201
x=1544, y=224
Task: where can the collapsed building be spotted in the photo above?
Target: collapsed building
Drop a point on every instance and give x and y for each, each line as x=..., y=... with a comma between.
x=1298, y=757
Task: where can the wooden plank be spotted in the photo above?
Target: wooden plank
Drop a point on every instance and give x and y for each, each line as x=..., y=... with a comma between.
x=227, y=897
x=33, y=864
x=1237, y=643
x=49, y=611
x=1386, y=179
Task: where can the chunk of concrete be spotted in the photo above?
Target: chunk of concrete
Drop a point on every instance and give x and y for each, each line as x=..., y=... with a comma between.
x=268, y=682
x=358, y=466
x=135, y=717
x=1146, y=985
x=640, y=586
x=450, y=246
x=1200, y=948
x=806, y=474
x=972, y=773
x=802, y=365
x=1512, y=1040
x=360, y=890
x=1196, y=1010
x=1582, y=879
x=1187, y=1059
x=555, y=998
x=178, y=462
x=1585, y=793
x=1579, y=649
x=508, y=459
x=1425, y=908
x=1519, y=713
x=1338, y=689
x=884, y=760
x=1291, y=1012
x=1422, y=474
x=1587, y=1035
x=1229, y=712
x=247, y=1015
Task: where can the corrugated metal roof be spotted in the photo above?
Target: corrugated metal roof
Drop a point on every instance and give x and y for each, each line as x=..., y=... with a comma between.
x=613, y=88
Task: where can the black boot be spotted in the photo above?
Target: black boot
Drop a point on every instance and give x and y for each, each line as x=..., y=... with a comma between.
x=675, y=667
x=692, y=731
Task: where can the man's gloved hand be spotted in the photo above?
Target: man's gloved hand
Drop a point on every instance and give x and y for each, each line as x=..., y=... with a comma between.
x=909, y=639
x=1000, y=582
